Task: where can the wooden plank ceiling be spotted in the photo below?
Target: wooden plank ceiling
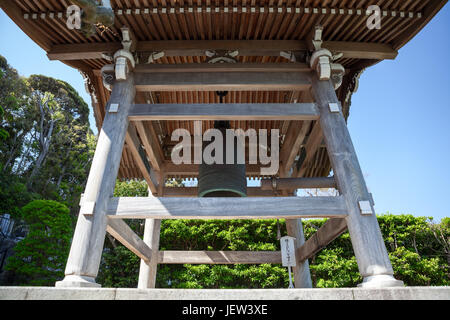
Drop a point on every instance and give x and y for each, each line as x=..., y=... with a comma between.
x=199, y=20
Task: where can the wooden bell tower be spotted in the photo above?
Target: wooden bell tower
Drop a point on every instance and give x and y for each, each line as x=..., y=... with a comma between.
x=288, y=66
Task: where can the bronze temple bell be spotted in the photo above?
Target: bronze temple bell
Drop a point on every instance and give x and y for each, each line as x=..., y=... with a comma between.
x=222, y=180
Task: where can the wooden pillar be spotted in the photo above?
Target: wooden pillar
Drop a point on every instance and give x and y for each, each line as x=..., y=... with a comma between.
x=87, y=243
x=368, y=245
x=147, y=271
x=302, y=276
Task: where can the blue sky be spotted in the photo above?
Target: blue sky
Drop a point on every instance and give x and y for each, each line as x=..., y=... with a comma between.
x=399, y=119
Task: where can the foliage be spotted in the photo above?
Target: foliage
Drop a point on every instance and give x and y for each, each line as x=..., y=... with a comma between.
x=131, y=188
x=48, y=146
x=40, y=258
x=3, y=133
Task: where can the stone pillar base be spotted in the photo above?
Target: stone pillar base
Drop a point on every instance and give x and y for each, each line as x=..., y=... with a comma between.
x=380, y=281
x=75, y=281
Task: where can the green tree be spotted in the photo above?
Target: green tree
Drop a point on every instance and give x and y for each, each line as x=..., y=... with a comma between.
x=39, y=259
x=49, y=145
x=18, y=115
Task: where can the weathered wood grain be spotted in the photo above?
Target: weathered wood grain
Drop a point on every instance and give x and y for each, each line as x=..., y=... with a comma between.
x=331, y=229
x=302, y=275
x=225, y=111
x=298, y=183
x=219, y=257
x=229, y=81
x=178, y=48
x=368, y=244
x=147, y=270
x=226, y=208
x=123, y=233
x=87, y=244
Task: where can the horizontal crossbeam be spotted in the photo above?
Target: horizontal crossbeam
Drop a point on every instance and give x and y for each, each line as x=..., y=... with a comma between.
x=222, y=67
x=172, y=48
x=226, y=208
x=172, y=169
x=219, y=257
x=193, y=192
x=225, y=111
x=226, y=81
x=297, y=183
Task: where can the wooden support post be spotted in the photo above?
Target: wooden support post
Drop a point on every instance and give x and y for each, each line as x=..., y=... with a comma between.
x=291, y=146
x=147, y=270
x=302, y=276
x=152, y=229
x=368, y=245
x=87, y=244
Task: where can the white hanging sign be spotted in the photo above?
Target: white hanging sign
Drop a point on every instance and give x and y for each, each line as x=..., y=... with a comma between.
x=287, y=251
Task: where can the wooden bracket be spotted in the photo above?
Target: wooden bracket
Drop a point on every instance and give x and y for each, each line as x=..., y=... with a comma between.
x=123, y=58
x=322, y=59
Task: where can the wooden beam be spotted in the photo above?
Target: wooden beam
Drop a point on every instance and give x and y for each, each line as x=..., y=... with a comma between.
x=81, y=51
x=331, y=229
x=226, y=208
x=178, y=48
x=171, y=169
x=225, y=111
x=222, y=67
x=297, y=183
x=193, y=192
x=123, y=233
x=365, y=234
x=230, y=81
x=291, y=145
x=151, y=145
x=361, y=50
x=219, y=257
x=87, y=245
x=140, y=159
x=311, y=147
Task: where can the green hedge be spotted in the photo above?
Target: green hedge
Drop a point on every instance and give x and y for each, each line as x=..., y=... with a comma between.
x=416, y=246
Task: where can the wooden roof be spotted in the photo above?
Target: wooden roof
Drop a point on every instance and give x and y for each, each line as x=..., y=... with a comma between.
x=185, y=29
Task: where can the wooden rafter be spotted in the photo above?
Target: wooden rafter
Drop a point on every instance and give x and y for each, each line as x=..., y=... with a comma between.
x=140, y=159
